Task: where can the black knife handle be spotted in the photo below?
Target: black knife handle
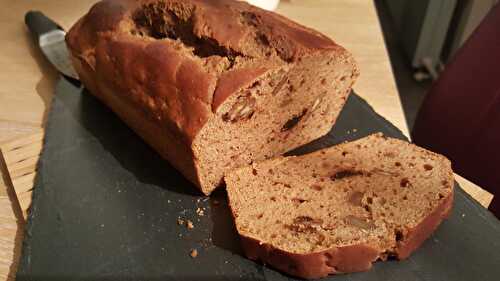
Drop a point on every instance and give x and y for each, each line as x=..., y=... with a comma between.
x=39, y=24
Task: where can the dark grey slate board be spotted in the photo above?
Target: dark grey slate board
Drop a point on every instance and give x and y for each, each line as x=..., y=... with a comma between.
x=105, y=208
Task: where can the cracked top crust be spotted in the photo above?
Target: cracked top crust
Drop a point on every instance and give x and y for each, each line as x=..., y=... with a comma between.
x=179, y=60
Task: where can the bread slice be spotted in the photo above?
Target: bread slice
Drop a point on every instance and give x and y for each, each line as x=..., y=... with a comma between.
x=339, y=209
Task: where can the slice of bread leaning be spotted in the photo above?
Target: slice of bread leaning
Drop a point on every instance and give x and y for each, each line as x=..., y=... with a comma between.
x=339, y=209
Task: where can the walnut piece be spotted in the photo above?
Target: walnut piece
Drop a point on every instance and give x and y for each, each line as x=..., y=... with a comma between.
x=305, y=224
x=359, y=222
x=307, y=220
x=356, y=198
x=242, y=109
x=316, y=103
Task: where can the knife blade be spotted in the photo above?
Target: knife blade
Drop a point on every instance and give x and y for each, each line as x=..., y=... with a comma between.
x=50, y=38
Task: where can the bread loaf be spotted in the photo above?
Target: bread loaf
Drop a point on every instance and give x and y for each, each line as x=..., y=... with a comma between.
x=339, y=209
x=211, y=85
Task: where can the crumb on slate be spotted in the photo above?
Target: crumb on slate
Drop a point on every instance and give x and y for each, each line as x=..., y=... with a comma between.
x=189, y=224
x=180, y=221
x=200, y=212
x=194, y=253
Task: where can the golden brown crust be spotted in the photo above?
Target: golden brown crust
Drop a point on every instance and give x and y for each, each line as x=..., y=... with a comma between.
x=159, y=138
x=314, y=265
x=160, y=89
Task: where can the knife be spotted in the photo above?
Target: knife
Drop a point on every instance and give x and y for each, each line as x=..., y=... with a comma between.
x=50, y=38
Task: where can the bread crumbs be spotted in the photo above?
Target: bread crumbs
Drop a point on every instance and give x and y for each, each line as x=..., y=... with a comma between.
x=194, y=253
x=189, y=224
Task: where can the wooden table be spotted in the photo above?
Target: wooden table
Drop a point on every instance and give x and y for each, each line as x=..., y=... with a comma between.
x=27, y=84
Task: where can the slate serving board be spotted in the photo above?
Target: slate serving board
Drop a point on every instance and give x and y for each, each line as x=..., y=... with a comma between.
x=105, y=207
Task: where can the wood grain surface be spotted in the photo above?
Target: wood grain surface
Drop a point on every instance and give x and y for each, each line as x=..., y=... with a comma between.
x=27, y=84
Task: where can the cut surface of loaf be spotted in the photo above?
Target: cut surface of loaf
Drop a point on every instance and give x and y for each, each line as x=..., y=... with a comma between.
x=339, y=209
x=211, y=85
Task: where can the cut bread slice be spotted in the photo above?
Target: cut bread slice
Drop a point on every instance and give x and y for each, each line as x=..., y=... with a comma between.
x=339, y=209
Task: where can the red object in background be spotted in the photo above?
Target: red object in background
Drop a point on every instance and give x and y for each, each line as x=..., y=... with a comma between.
x=460, y=116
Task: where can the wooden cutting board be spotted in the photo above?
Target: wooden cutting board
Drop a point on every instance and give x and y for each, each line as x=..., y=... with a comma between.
x=106, y=207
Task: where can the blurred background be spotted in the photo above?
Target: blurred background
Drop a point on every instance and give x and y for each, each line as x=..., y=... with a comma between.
x=445, y=55
x=421, y=37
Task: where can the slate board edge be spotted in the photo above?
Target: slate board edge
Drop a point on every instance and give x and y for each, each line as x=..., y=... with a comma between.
x=30, y=222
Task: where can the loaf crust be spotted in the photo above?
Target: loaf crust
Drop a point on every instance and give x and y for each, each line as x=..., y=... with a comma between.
x=168, y=89
x=352, y=258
